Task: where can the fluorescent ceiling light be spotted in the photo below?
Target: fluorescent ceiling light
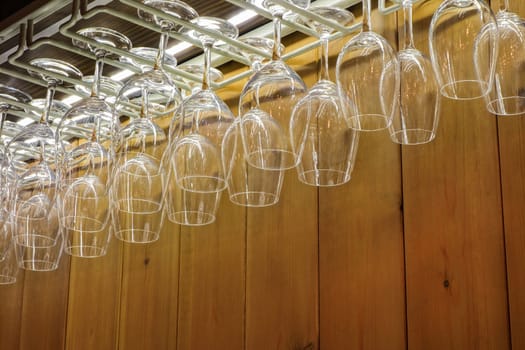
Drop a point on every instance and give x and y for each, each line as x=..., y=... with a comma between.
x=178, y=48
x=71, y=99
x=242, y=17
x=121, y=75
x=25, y=121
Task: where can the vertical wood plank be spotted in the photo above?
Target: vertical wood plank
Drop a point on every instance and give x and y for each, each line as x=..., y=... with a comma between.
x=212, y=270
x=148, y=311
x=512, y=153
x=281, y=291
x=11, y=298
x=212, y=273
x=361, y=253
x=361, y=244
x=512, y=162
x=456, y=285
x=93, y=300
x=44, y=308
x=282, y=261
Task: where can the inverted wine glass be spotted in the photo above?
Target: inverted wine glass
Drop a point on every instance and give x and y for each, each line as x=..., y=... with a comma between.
x=367, y=72
x=507, y=96
x=34, y=154
x=90, y=131
x=248, y=185
x=458, y=30
x=8, y=263
x=162, y=95
x=149, y=101
x=8, y=94
x=419, y=98
x=196, y=135
x=274, y=89
x=319, y=123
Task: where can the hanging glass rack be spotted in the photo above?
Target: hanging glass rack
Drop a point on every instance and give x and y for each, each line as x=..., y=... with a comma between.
x=32, y=34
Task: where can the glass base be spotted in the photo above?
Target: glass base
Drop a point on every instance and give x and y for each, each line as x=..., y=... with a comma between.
x=193, y=218
x=254, y=199
x=324, y=177
x=465, y=89
x=85, y=251
x=370, y=122
x=7, y=279
x=507, y=106
x=272, y=159
x=202, y=184
x=137, y=236
x=412, y=136
x=38, y=265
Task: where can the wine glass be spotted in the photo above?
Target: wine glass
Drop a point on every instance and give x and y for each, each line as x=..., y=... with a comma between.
x=319, y=124
x=148, y=100
x=458, y=31
x=8, y=264
x=162, y=95
x=248, y=185
x=367, y=72
x=419, y=98
x=34, y=154
x=196, y=135
x=507, y=96
x=274, y=90
x=90, y=130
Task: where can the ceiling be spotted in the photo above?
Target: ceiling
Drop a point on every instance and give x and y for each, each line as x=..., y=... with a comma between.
x=9, y=8
x=44, y=19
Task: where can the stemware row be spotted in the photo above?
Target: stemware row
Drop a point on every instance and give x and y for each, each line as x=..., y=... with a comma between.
x=120, y=167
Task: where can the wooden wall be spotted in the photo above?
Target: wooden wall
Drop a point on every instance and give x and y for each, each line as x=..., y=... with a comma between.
x=422, y=250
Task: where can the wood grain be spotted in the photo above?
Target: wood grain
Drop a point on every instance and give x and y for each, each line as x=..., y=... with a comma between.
x=456, y=288
x=44, y=308
x=11, y=313
x=211, y=285
x=282, y=260
x=455, y=263
x=281, y=286
x=512, y=153
x=361, y=245
x=93, y=300
x=148, y=302
x=511, y=131
x=361, y=253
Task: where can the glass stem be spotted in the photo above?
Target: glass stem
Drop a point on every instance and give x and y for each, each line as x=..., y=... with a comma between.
x=163, y=43
x=50, y=94
x=207, y=66
x=144, y=110
x=256, y=64
x=504, y=5
x=409, y=33
x=324, y=74
x=367, y=26
x=276, y=52
x=3, y=114
x=99, y=66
